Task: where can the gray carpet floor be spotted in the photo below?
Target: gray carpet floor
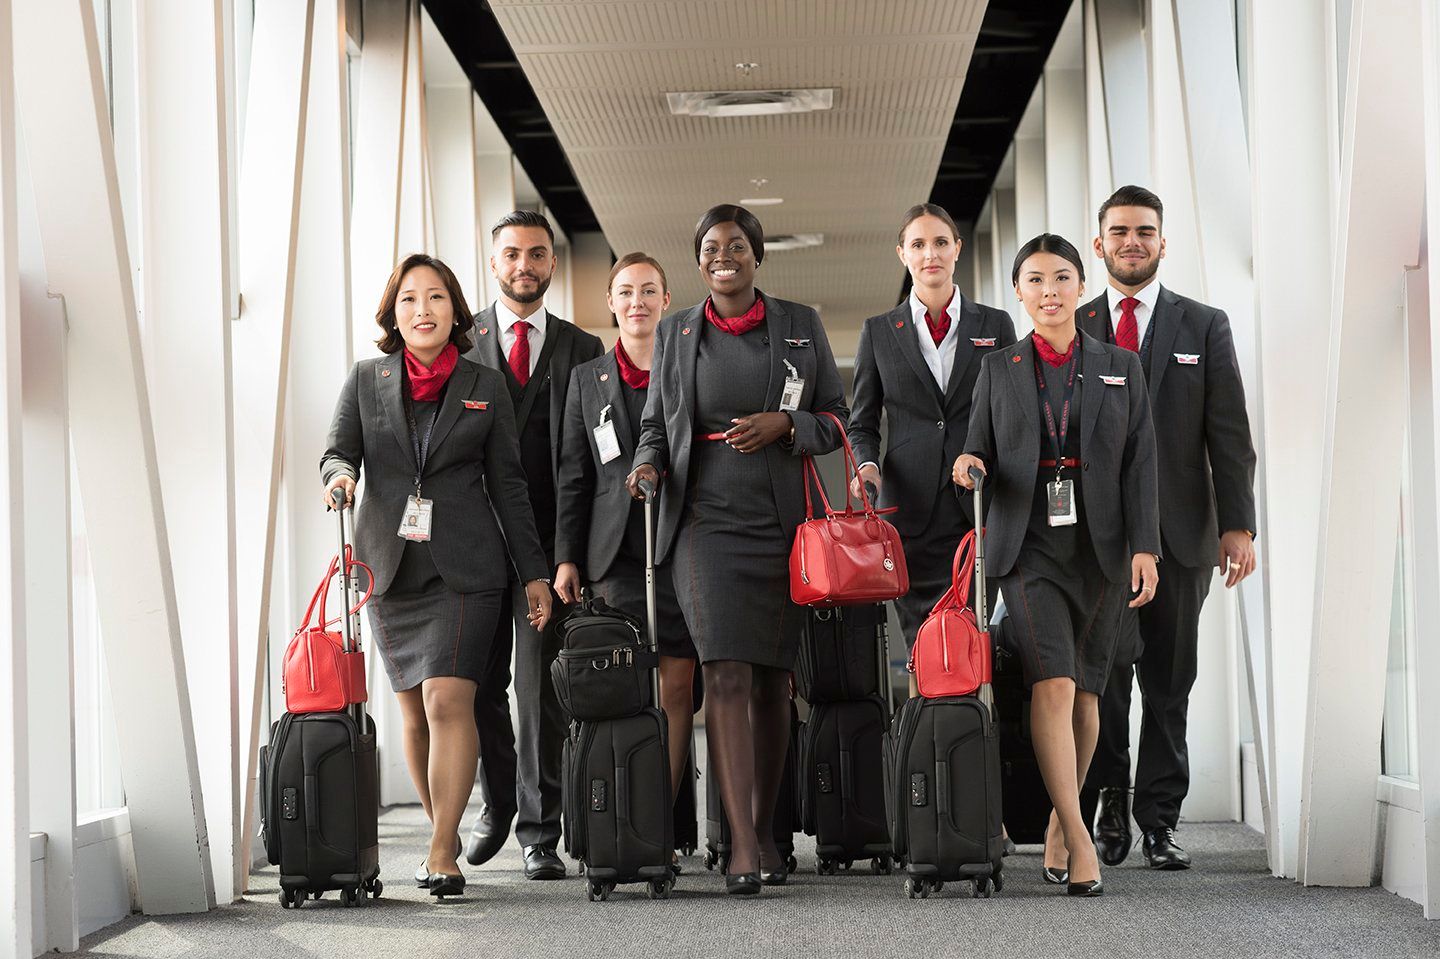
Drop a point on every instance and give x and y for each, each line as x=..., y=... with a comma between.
x=1228, y=905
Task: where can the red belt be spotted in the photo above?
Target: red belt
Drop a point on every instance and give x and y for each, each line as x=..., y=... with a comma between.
x=709, y=436
x=1069, y=461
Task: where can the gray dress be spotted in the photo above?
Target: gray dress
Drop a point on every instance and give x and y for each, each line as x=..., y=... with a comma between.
x=732, y=553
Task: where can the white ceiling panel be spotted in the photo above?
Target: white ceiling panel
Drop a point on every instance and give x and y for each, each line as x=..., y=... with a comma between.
x=601, y=70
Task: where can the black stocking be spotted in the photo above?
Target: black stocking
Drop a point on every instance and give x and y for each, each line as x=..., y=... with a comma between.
x=732, y=755
x=770, y=727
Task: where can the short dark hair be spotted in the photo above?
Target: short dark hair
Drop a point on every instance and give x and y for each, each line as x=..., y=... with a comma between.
x=1132, y=195
x=633, y=259
x=738, y=215
x=927, y=209
x=1047, y=243
x=523, y=218
x=390, y=339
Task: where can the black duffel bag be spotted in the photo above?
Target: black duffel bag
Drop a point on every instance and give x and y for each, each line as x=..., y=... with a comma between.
x=840, y=658
x=602, y=671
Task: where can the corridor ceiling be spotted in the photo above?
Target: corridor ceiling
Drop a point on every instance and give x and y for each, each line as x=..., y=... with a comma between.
x=599, y=72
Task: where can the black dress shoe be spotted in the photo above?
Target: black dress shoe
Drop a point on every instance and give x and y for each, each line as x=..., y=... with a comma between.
x=1087, y=890
x=488, y=835
x=1055, y=877
x=1113, y=840
x=776, y=877
x=445, y=884
x=542, y=863
x=743, y=884
x=422, y=874
x=1162, y=852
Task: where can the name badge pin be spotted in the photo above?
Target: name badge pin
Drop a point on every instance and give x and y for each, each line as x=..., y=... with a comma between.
x=983, y=340
x=1187, y=359
x=1113, y=380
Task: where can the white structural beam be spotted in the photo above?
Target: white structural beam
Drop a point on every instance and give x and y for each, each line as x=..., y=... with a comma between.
x=495, y=190
x=1030, y=208
x=185, y=234
x=269, y=215
x=1292, y=159
x=1124, y=58
x=15, y=891
x=378, y=144
x=48, y=579
x=1424, y=360
x=61, y=96
x=1379, y=237
x=416, y=232
x=450, y=122
x=1097, y=136
x=1067, y=202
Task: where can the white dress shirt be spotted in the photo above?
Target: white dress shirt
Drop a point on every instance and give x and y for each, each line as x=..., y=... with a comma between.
x=1145, y=309
x=941, y=358
x=507, y=320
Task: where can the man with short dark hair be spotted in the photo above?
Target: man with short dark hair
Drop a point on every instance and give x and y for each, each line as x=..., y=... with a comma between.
x=536, y=351
x=1207, y=517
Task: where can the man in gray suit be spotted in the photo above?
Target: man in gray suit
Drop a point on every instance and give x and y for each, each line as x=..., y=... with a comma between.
x=1207, y=486
x=536, y=352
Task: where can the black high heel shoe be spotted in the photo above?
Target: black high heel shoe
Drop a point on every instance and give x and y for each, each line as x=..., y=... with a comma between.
x=444, y=884
x=775, y=877
x=1086, y=890
x=742, y=884
x=422, y=874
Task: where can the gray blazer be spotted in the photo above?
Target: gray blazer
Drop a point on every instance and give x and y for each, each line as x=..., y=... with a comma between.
x=565, y=346
x=473, y=464
x=592, y=504
x=927, y=427
x=1117, y=454
x=794, y=333
x=1202, y=431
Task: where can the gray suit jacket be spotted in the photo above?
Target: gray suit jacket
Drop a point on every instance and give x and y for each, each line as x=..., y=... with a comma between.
x=795, y=333
x=565, y=346
x=592, y=503
x=473, y=464
x=1202, y=431
x=1117, y=454
x=926, y=427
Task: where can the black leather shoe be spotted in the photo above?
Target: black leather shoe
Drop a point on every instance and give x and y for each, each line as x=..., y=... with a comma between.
x=488, y=835
x=1055, y=877
x=744, y=884
x=542, y=863
x=1087, y=890
x=422, y=874
x=777, y=877
x=442, y=884
x=1162, y=852
x=1113, y=840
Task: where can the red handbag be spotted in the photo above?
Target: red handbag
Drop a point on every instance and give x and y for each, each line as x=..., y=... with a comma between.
x=952, y=652
x=845, y=558
x=320, y=675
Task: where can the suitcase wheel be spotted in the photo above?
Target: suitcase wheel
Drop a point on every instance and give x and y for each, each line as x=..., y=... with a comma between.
x=376, y=887
x=289, y=900
x=982, y=888
x=709, y=861
x=825, y=867
x=880, y=866
x=792, y=864
x=600, y=891
x=352, y=896
x=660, y=888
x=922, y=888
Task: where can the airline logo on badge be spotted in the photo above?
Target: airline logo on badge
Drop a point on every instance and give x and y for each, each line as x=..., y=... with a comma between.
x=1187, y=359
x=384, y=372
x=983, y=340
x=1113, y=380
x=797, y=344
x=476, y=405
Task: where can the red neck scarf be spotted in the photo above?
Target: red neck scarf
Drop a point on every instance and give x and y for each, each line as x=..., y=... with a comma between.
x=741, y=324
x=941, y=324
x=426, y=383
x=634, y=377
x=1047, y=353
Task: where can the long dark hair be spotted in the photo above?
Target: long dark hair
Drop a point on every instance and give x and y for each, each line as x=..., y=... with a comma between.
x=390, y=340
x=741, y=217
x=1047, y=243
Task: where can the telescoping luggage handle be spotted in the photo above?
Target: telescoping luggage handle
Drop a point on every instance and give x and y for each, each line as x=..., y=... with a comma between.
x=350, y=617
x=982, y=614
x=651, y=606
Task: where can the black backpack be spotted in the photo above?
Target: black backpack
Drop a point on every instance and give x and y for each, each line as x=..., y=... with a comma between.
x=602, y=671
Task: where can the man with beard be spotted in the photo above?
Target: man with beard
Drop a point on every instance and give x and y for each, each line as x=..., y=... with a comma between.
x=536, y=351
x=1207, y=517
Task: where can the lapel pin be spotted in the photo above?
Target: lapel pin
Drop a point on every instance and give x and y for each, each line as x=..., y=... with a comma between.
x=486, y=329
x=685, y=332
x=1092, y=313
x=384, y=372
x=1113, y=380
x=1014, y=359
x=604, y=377
x=899, y=324
x=983, y=340
x=476, y=404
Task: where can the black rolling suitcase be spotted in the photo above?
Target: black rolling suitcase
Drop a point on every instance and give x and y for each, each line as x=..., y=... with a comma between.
x=616, y=783
x=320, y=795
x=717, y=826
x=686, y=812
x=1026, y=801
x=943, y=779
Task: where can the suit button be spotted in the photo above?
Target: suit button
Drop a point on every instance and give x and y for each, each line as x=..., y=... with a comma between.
x=766, y=341
x=939, y=424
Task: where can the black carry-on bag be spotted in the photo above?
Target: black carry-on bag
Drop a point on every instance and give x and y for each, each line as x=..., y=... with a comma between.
x=943, y=778
x=617, y=802
x=842, y=798
x=320, y=791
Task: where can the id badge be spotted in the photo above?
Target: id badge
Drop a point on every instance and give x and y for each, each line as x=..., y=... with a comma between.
x=606, y=441
x=794, y=389
x=1060, y=502
x=415, y=522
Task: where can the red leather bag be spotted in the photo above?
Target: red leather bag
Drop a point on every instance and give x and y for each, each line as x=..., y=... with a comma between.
x=952, y=652
x=320, y=675
x=849, y=557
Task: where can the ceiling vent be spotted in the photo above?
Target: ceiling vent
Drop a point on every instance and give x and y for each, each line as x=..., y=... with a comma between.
x=793, y=241
x=750, y=103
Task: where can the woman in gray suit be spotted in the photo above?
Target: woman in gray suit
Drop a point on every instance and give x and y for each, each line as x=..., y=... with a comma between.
x=742, y=379
x=1061, y=428
x=435, y=434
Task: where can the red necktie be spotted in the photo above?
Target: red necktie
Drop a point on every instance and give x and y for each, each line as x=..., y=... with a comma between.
x=520, y=352
x=1127, y=334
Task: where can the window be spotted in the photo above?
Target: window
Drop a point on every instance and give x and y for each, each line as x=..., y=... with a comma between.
x=1399, y=749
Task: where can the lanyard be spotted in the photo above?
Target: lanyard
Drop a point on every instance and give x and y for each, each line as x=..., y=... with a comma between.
x=1058, y=434
x=420, y=445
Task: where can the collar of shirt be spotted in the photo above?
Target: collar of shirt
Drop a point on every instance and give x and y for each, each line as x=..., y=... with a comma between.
x=507, y=319
x=940, y=358
x=1148, y=295
x=918, y=313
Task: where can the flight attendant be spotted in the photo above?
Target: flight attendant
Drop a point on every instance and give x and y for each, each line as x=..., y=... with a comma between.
x=918, y=364
x=1061, y=429
x=600, y=532
x=741, y=379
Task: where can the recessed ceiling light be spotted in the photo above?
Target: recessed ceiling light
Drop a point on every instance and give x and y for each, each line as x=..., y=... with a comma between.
x=749, y=103
x=793, y=241
x=745, y=67
x=762, y=201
